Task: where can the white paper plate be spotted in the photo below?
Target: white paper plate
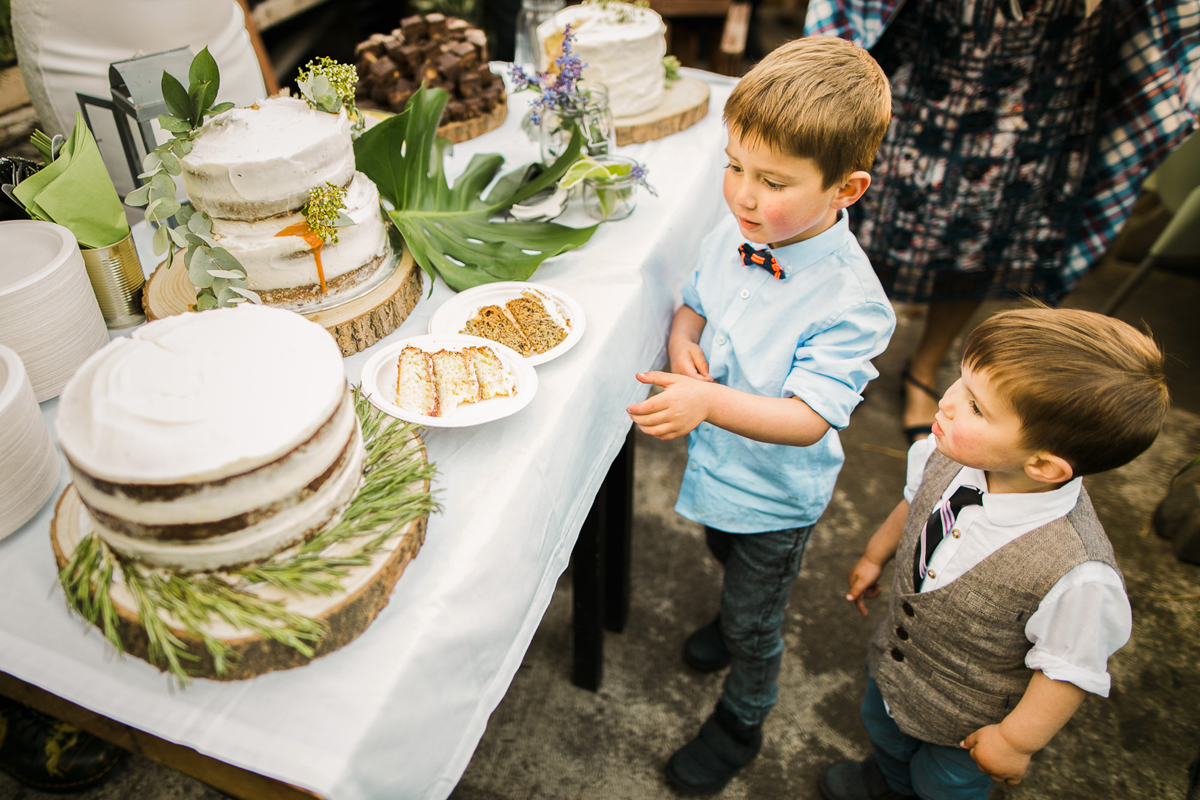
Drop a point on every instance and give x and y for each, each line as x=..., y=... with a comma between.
x=454, y=313
x=379, y=382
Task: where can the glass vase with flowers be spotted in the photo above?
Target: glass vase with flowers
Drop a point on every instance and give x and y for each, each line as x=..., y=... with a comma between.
x=567, y=105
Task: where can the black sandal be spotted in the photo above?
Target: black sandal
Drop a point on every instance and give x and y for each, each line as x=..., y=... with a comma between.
x=913, y=431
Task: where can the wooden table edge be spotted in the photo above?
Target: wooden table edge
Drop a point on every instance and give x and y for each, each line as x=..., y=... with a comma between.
x=232, y=780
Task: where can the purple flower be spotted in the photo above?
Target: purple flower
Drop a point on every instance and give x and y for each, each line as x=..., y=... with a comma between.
x=555, y=91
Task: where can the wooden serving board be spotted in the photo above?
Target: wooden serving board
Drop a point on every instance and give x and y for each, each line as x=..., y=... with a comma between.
x=684, y=104
x=456, y=132
x=355, y=325
x=347, y=614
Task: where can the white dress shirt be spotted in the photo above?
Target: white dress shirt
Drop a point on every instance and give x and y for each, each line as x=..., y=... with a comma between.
x=1084, y=618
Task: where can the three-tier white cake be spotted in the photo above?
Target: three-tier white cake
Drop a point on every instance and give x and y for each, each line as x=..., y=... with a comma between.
x=206, y=441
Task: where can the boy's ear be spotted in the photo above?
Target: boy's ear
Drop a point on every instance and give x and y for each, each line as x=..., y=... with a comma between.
x=1049, y=468
x=852, y=189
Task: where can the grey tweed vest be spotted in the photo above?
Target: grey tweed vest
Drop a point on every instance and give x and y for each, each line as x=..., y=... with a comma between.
x=952, y=660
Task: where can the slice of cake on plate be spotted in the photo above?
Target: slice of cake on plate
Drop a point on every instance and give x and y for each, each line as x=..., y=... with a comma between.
x=494, y=380
x=538, y=318
x=416, y=390
x=493, y=322
x=456, y=380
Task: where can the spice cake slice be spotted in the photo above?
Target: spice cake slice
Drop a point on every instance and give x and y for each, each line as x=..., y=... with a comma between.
x=415, y=388
x=491, y=322
x=539, y=320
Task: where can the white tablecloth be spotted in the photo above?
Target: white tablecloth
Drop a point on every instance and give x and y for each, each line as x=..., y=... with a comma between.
x=399, y=711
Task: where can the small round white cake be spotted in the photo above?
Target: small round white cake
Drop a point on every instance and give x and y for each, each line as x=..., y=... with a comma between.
x=252, y=170
x=621, y=46
x=210, y=440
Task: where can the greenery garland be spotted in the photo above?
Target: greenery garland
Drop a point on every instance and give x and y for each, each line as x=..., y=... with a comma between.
x=382, y=507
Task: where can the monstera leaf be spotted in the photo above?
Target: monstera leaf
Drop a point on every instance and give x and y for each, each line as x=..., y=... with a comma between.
x=449, y=228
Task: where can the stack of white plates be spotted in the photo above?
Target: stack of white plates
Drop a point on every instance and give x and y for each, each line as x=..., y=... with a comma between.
x=48, y=312
x=29, y=465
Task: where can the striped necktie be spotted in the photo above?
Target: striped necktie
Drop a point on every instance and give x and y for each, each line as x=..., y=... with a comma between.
x=761, y=258
x=940, y=522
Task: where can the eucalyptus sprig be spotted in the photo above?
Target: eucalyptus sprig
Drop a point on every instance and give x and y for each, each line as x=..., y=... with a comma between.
x=218, y=276
x=391, y=496
x=325, y=211
x=328, y=85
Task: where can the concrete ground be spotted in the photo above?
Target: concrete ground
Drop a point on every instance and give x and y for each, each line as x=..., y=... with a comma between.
x=549, y=740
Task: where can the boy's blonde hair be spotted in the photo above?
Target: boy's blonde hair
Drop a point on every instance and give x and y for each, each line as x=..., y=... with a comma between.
x=819, y=97
x=1088, y=388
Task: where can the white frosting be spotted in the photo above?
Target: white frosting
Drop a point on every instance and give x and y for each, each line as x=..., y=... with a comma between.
x=250, y=163
x=624, y=56
x=197, y=397
x=279, y=262
x=256, y=542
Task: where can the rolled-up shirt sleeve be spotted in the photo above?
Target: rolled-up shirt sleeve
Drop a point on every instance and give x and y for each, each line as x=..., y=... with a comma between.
x=691, y=295
x=1083, y=620
x=831, y=369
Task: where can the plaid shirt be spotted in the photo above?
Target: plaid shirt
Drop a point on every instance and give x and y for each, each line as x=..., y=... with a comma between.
x=1153, y=98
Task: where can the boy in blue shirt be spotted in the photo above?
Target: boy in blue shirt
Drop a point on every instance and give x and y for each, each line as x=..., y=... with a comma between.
x=769, y=354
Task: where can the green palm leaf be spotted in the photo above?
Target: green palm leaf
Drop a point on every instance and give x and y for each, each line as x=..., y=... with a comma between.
x=449, y=228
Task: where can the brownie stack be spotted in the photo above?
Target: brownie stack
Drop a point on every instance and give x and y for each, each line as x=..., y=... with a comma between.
x=439, y=51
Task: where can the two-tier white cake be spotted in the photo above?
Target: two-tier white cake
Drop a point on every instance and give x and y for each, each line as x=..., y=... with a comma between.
x=621, y=46
x=251, y=170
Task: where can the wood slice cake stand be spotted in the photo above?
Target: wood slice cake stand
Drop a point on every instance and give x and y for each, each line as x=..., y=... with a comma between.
x=356, y=325
x=684, y=104
x=346, y=614
x=456, y=132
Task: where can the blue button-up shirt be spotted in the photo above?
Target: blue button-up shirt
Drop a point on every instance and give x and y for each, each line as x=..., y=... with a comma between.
x=811, y=335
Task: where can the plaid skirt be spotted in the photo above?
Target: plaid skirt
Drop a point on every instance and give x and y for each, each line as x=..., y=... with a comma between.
x=981, y=179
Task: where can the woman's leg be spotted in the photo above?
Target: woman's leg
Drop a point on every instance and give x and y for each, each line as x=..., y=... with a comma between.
x=943, y=322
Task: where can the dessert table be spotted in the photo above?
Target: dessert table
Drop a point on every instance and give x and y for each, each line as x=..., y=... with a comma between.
x=398, y=712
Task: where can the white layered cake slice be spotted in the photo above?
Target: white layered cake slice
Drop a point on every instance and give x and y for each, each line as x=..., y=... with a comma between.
x=208, y=441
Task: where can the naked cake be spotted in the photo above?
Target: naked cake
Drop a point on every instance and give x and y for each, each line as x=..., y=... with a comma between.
x=208, y=441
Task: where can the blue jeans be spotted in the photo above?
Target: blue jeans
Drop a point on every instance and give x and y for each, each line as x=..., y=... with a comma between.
x=760, y=569
x=912, y=766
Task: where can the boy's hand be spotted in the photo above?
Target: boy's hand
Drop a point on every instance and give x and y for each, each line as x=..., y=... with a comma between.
x=688, y=359
x=995, y=756
x=674, y=412
x=864, y=583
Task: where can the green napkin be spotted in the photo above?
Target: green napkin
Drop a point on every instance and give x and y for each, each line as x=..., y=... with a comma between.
x=75, y=191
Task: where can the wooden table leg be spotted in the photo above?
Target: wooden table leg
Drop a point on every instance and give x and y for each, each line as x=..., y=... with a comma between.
x=600, y=569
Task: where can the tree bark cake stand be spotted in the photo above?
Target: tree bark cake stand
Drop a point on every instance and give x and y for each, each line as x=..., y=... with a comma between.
x=347, y=614
x=684, y=103
x=456, y=132
x=355, y=325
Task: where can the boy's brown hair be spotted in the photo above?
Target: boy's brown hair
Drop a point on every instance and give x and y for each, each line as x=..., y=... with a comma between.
x=818, y=97
x=1088, y=388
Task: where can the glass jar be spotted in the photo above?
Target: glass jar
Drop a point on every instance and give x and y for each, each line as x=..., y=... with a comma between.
x=591, y=117
x=614, y=197
x=528, y=47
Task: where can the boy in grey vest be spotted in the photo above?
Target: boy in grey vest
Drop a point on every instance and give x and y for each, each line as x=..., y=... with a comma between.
x=1007, y=600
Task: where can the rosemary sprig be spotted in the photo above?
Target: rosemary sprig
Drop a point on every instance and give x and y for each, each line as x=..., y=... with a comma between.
x=385, y=503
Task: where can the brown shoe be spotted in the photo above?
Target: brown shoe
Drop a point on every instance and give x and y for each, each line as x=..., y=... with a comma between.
x=50, y=755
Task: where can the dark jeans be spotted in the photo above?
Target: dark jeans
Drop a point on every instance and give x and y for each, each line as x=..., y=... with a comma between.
x=912, y=766
x=760, y=569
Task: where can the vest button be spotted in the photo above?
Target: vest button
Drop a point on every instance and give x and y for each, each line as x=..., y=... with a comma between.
x=903, y=634
x=896, y=654
x=907, y=609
